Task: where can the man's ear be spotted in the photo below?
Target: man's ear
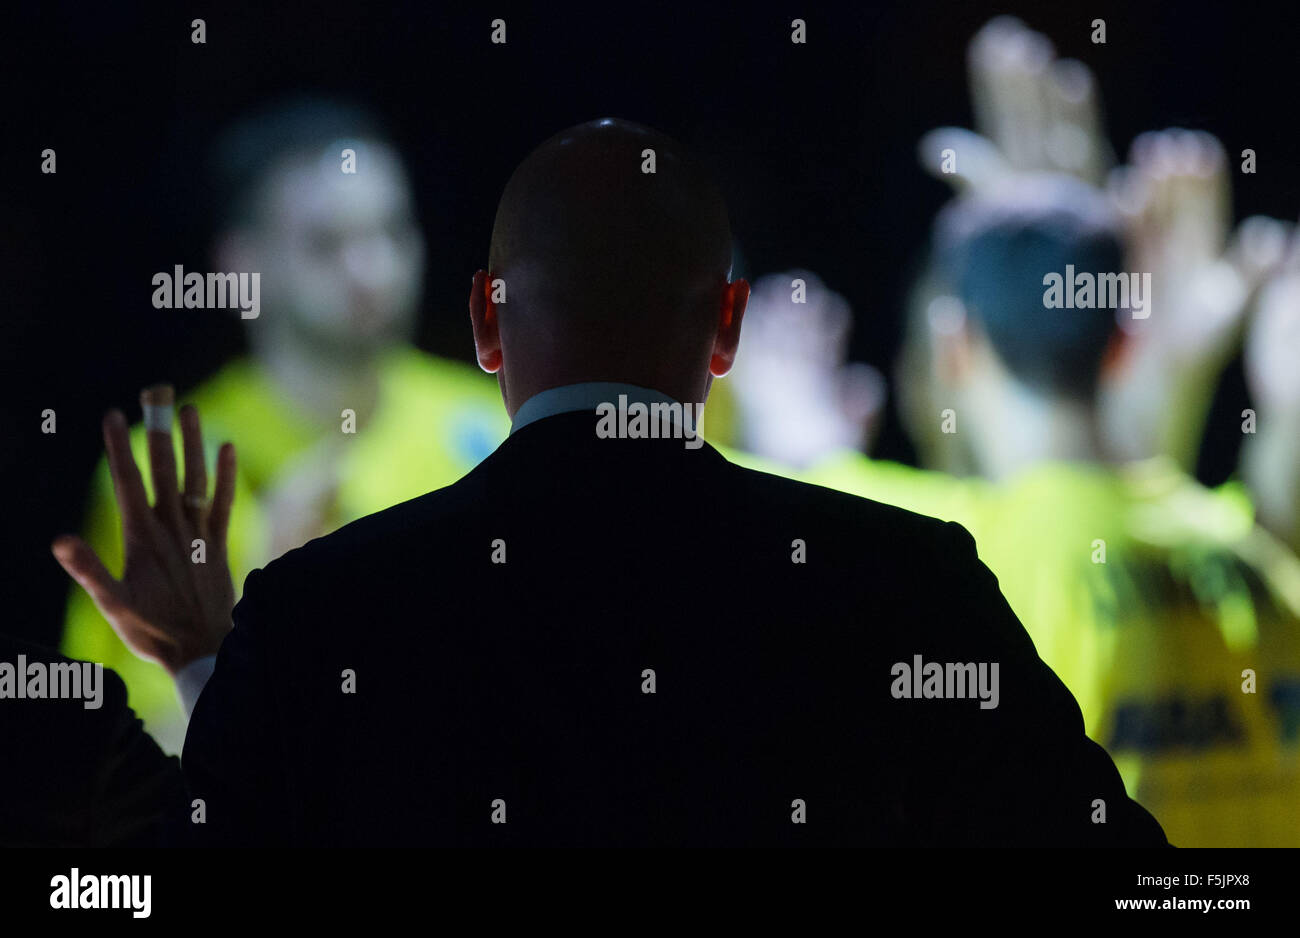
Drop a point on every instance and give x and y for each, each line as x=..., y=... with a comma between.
x=483, y=318
x=735, y=296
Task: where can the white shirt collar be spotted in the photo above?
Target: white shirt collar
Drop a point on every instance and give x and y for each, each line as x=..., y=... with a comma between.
x=586, y=395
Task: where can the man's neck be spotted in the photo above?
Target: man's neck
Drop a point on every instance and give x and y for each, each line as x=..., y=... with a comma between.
x=674, y=387
x=1017, y=429
x=587, y=396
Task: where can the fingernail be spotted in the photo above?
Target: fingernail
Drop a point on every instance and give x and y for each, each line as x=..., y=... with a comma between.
x=159, y=394
x=156, y=403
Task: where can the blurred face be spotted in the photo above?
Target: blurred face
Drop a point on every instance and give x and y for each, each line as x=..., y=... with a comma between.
x=341, y=256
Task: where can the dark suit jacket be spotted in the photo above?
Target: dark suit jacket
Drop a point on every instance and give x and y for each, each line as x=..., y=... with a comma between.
x=524, y=681
x=74, y=777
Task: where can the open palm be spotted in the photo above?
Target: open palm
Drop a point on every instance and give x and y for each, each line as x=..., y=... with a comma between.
x=174, y=600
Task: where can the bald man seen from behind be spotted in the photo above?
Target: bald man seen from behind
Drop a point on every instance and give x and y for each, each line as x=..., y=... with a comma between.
x=606, y=634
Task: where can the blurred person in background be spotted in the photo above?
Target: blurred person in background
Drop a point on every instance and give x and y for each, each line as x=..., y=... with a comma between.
x=1034, y=113
x=337, y=414
x=1038, y=113
x=1171, y=615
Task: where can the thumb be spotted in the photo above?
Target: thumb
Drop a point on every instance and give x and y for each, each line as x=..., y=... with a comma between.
x=83, y=565
x=976, y=162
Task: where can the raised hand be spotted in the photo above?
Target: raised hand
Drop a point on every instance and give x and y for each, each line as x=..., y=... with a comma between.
x=1033, y=113
x=1270, y=457
x=174, y=601
x=798, y=396
x=1175, y=196
x=1273, y=342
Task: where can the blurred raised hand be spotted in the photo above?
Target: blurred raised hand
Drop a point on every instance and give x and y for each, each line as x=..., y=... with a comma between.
x=1034, y=112
x=1270, y=461
x=1273, y=341
x=1175, y=197
x=798, y=396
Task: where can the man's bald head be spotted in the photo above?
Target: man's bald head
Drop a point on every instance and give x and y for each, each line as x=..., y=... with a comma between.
x=580, y=223
x=604, y=261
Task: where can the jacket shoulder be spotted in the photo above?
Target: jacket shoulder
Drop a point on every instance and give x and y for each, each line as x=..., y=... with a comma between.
x=374, y=544
x=849, y=516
